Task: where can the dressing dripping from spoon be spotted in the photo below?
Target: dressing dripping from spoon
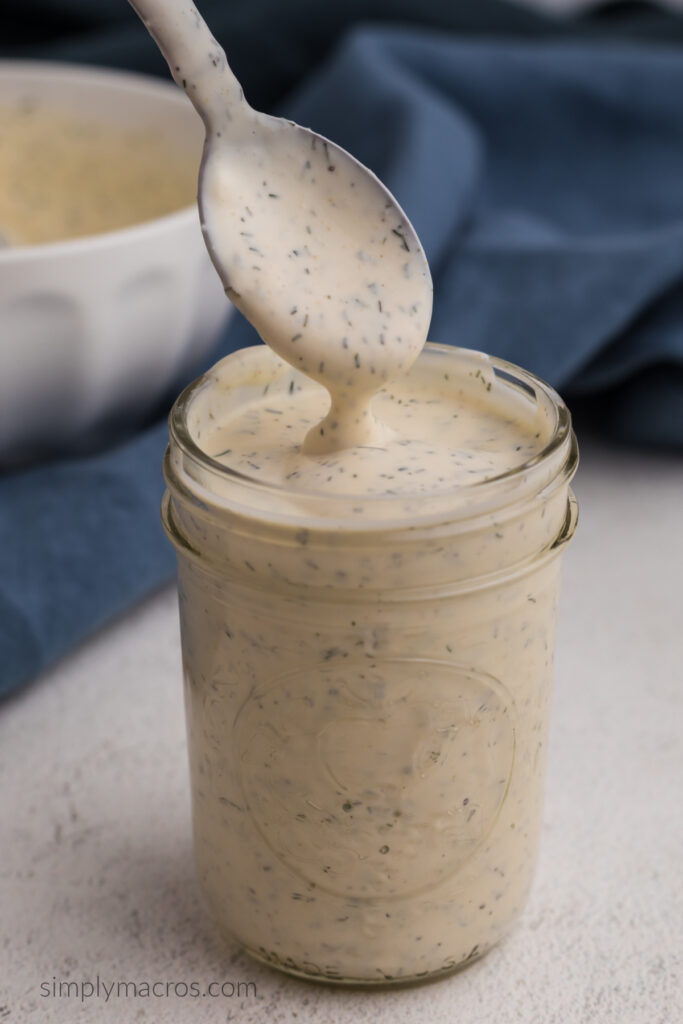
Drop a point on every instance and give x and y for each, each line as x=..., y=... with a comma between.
x=310, y=246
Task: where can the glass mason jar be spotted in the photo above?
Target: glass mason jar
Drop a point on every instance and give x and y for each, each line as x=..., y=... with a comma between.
x=367, y=697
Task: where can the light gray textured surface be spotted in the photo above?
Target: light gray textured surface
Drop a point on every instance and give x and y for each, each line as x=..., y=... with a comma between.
x=96, y=869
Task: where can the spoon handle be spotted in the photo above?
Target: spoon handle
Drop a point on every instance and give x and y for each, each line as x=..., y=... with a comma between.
x=196, y=60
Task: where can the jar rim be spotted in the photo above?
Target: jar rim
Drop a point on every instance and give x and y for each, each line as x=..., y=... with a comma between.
x=478, y=491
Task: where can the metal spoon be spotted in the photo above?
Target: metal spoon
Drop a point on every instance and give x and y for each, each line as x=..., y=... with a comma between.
x=309, y=244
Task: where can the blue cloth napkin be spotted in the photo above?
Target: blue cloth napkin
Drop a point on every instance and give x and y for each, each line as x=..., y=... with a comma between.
x=544, y=176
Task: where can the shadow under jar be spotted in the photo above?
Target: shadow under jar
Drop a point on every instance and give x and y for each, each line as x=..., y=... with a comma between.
x=368, y=695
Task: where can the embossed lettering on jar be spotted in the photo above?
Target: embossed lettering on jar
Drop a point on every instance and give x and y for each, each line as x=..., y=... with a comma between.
x=368, y=679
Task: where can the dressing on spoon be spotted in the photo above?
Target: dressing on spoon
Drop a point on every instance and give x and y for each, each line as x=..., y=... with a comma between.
x=310, y=246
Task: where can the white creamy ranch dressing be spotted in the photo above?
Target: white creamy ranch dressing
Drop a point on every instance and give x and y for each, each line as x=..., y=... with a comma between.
x=367, y=679
x=440, y=433
x=341, y=312
x=311, y=247
x=367, y=582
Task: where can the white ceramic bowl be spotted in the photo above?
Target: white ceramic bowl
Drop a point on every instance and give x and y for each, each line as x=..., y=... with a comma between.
x=94, y=331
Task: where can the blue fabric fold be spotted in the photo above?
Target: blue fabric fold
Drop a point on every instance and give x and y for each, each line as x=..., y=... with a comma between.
x=80, y=540
x=546, y=192
x=544, y=179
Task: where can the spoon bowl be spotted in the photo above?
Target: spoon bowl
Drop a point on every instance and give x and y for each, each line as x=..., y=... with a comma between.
x=276, y=222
